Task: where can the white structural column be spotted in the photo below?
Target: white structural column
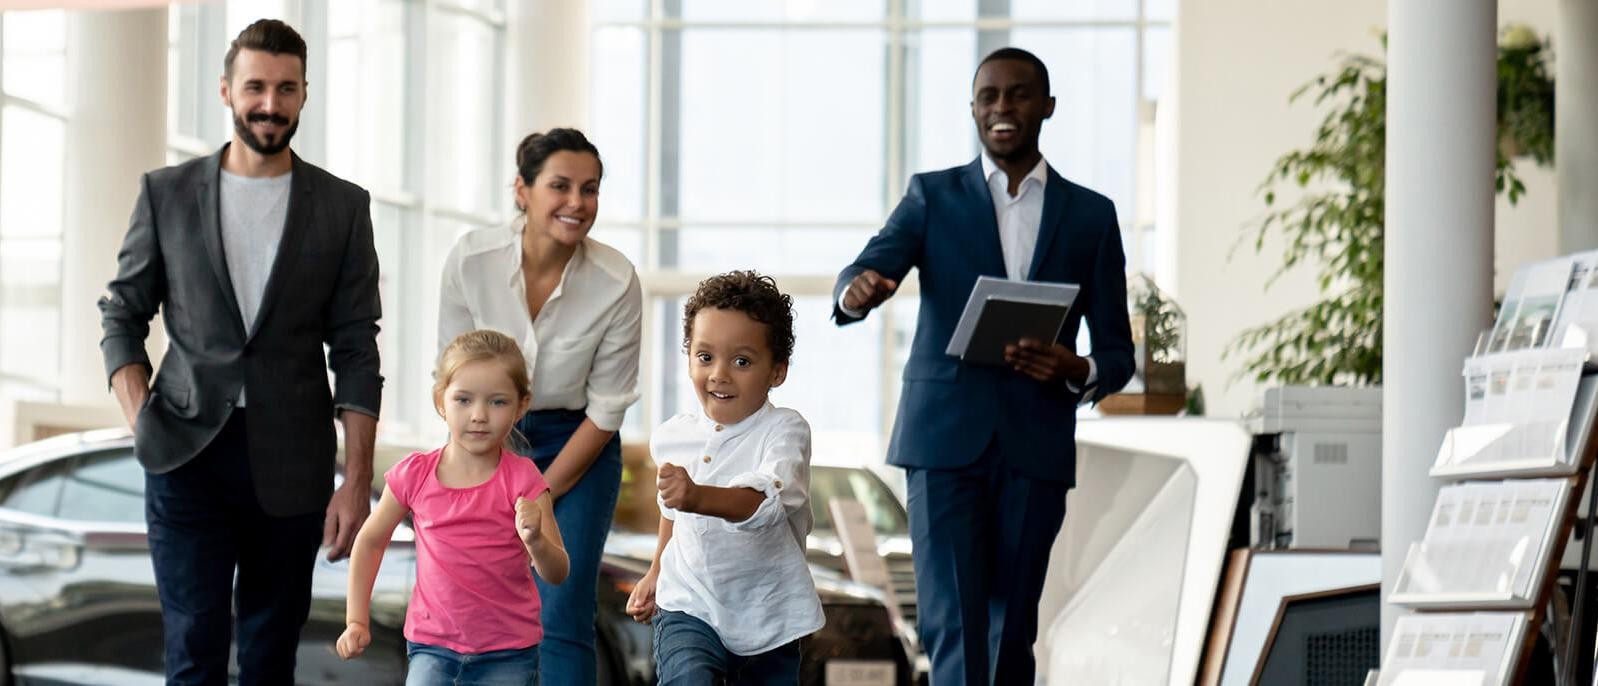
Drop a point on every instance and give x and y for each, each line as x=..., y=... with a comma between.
x=1439, y=246
x=1575, y=111
x=116, y=132
x=547, y=71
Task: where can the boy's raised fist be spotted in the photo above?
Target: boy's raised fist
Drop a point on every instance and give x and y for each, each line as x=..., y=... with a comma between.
x=676, y=489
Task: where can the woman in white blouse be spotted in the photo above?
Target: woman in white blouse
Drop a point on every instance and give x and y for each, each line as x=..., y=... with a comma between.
x=575, y=306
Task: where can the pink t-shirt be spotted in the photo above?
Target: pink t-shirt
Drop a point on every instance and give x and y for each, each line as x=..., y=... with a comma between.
x=474, y=588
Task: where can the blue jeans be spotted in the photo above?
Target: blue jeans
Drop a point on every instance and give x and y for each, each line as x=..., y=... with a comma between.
x=435, y=666
x=584, y=515
x=688, y=652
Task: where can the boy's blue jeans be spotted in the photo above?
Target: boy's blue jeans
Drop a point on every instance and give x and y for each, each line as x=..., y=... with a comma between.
x=435, y=666
x=584, y=515
x=689, y=653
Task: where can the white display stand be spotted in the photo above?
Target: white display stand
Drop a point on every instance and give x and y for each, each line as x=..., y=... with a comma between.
x=1525, y=416
x=1530, y=408
x=1485, y=546
x=1454, y=649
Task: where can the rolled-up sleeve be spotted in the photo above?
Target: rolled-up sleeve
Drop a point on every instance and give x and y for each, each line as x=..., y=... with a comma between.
x=613, y=381
x=135, y=295
x=783, y=477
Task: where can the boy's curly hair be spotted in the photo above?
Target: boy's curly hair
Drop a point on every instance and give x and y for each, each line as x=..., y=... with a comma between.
x=753, y=294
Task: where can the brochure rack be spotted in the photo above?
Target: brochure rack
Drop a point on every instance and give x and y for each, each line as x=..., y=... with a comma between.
x=1481, y=579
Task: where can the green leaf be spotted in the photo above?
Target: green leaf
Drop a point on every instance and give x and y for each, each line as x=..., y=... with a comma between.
x=1337, y=222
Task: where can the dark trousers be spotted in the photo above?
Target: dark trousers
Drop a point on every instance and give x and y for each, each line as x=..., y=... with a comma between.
x=206, y=524
x=688, y=652
x=981, y=537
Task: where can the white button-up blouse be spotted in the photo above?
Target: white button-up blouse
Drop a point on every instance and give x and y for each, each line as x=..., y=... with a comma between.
x=582, y=351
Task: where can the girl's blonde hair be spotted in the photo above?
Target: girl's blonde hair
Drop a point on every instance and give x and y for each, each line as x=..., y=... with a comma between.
x=480, y=346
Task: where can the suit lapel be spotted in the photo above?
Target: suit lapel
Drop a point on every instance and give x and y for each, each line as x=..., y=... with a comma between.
x=211, y=233
x=297, y=225
x=1054, y=201
x=987, y=224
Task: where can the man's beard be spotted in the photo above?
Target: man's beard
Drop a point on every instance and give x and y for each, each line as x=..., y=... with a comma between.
x=241, y=126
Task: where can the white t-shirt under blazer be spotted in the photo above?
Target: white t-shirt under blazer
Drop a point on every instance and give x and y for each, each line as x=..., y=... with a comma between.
x=582, y=351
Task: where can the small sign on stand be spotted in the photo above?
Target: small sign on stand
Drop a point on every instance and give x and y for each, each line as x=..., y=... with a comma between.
x=860, y=549
x=866, y=566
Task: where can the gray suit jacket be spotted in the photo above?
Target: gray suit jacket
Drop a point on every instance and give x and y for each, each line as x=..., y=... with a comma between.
x=322, y=289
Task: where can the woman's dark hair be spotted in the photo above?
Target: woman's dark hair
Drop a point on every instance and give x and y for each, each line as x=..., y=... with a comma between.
x=536, y=148
x=752, y=294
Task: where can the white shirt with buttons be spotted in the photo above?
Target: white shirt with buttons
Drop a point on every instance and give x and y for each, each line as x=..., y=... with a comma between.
x=748, y=580
x=582, y=351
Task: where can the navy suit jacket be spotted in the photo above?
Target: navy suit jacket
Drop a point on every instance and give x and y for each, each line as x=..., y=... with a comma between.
x=950, y=411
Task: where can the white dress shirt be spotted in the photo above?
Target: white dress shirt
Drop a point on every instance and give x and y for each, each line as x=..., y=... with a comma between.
x=582, y=351
x=1019, y=216
x=748, y=580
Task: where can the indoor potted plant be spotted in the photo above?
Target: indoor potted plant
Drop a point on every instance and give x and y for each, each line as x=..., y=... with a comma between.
x=1335, y=219
x=1159, y=327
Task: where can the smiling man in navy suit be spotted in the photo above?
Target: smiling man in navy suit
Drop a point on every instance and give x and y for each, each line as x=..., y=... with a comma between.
x=990, y=451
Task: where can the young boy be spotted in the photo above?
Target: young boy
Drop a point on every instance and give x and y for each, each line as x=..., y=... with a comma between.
x=729, y=589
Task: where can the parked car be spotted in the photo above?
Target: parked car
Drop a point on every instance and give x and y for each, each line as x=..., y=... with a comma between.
x=892, y=527
x=77, y=589
x=78, y=602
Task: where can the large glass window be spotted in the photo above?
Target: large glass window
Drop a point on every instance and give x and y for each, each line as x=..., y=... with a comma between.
x=365, y=92
x=778, y=135
x=32, y=154
x=36, y=56
x=463, y=66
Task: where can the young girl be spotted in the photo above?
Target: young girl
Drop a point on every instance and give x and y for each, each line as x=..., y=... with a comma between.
x=480, y=513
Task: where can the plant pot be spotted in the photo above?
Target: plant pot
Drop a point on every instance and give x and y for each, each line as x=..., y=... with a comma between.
x=1164, y=378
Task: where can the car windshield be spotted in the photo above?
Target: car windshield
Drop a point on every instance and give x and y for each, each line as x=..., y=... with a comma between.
x=882, y=508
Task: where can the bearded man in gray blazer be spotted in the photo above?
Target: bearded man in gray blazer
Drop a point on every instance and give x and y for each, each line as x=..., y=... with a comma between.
x=256, y=260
